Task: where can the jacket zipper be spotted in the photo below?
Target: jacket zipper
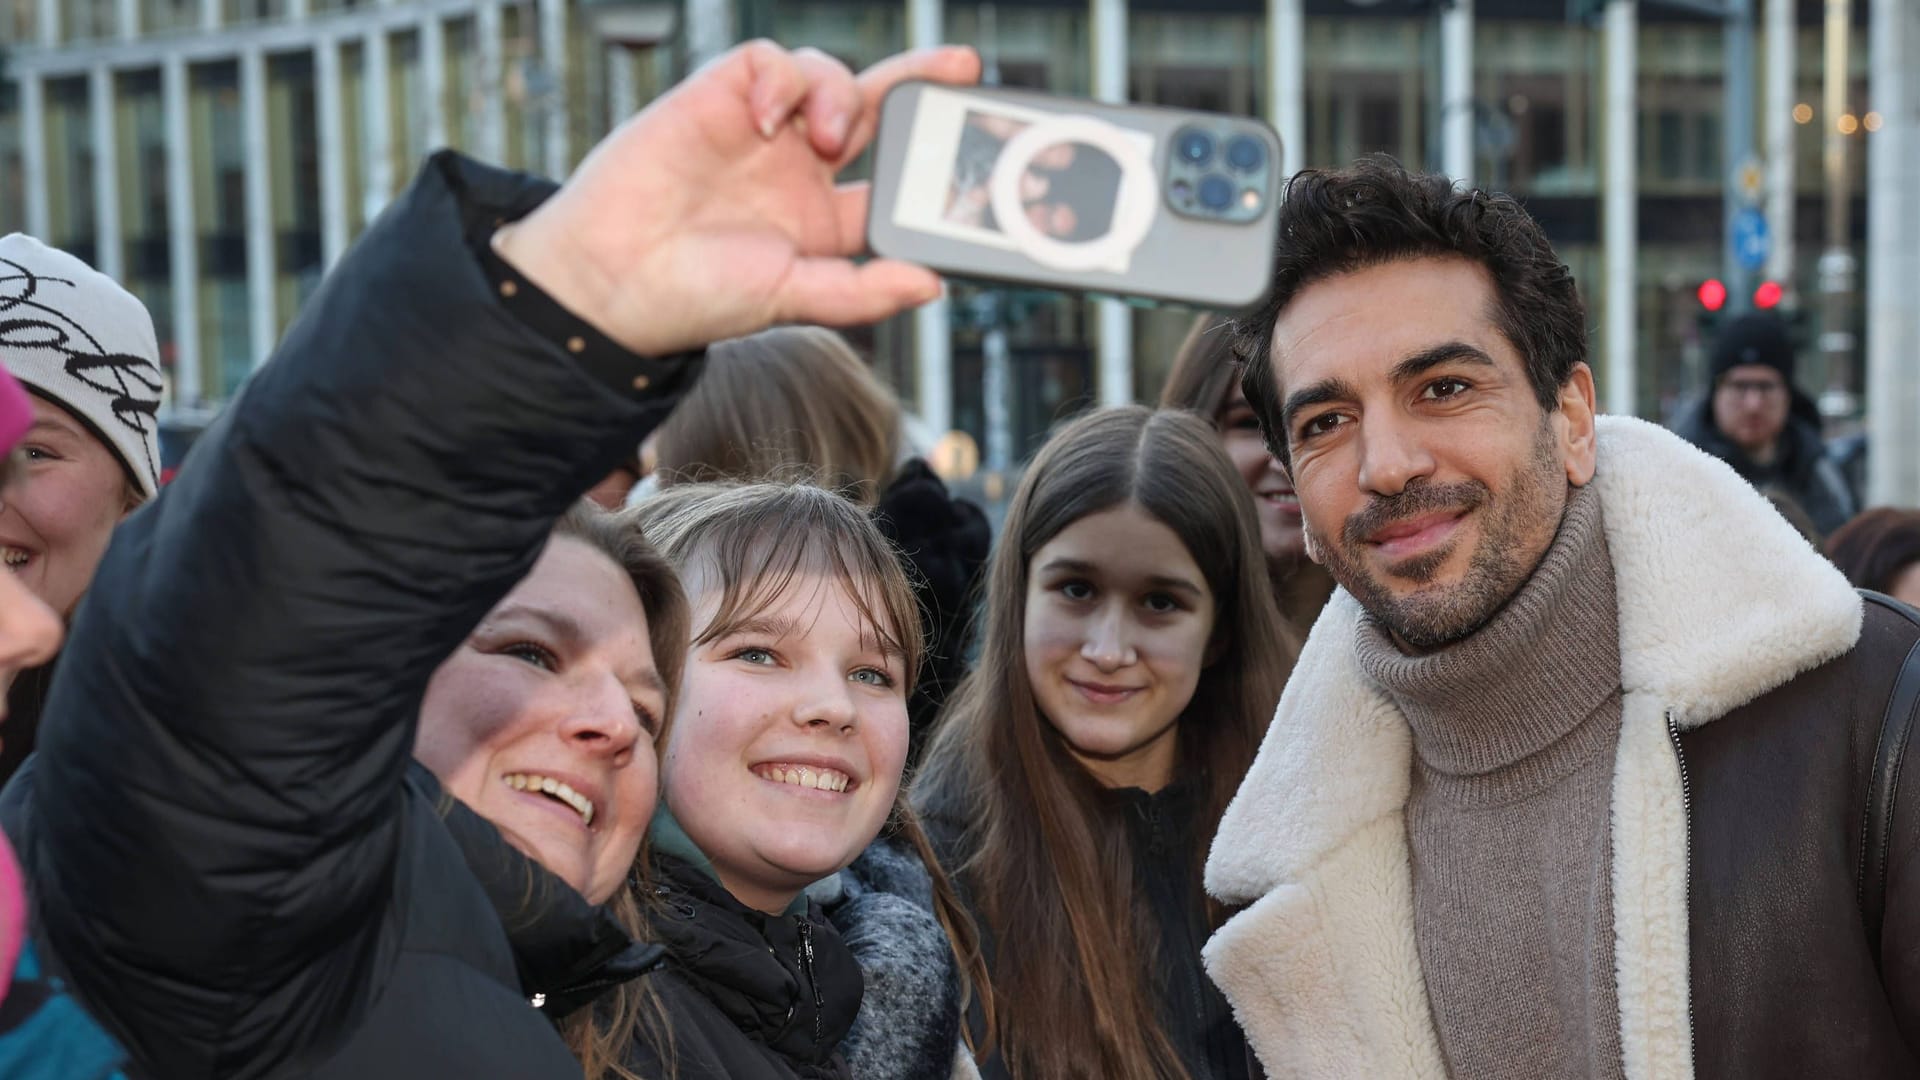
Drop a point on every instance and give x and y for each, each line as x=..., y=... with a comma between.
x=1686, y=814
x=806, y=965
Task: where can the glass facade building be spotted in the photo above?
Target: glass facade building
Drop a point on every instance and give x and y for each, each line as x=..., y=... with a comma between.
x=218, y=155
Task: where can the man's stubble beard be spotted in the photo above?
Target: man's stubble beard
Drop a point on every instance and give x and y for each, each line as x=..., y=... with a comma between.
x=1432, y=618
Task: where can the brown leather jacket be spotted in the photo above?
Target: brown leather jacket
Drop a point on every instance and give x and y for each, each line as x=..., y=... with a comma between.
x=1784, y=983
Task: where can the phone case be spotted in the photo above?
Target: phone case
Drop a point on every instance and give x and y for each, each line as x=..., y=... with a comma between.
x=1038, y=189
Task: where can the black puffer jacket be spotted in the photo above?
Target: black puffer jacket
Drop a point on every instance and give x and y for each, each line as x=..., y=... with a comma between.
x=750, y=995
x=231, y=864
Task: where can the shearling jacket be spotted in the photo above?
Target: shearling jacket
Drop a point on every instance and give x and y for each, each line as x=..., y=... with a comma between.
x=1754, y=680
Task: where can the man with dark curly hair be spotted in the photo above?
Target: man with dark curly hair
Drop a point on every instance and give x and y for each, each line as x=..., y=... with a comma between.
x=1591, y=767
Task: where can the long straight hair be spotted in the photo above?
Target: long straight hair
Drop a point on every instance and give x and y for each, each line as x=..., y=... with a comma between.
x=1044, y=855
x=752, y=541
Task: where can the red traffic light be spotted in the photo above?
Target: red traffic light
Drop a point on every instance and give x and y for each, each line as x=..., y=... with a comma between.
x=1768, y=295
x=1712, y=294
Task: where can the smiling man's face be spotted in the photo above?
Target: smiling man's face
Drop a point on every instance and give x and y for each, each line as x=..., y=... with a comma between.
x=1430, y=479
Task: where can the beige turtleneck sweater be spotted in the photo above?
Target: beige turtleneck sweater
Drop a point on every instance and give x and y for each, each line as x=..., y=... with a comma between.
x=1514, y=731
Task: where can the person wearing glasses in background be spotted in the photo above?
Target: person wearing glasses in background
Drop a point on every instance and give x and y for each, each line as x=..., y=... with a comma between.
x=1755, y=419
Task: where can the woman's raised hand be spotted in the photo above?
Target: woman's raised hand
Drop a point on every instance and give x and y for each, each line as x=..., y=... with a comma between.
x=715, y=212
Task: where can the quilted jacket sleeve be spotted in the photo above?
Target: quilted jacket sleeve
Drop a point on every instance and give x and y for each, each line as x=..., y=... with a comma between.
x=221, y=760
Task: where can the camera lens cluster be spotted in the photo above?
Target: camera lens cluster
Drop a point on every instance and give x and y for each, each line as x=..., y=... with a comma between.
x=1217, y=173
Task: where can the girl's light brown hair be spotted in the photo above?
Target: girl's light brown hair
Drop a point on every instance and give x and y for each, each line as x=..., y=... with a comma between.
x=753, y=542
x=791, y=403
x=1045, y=857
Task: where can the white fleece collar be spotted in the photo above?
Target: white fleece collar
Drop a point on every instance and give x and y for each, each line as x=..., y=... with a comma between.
x=1720, y=601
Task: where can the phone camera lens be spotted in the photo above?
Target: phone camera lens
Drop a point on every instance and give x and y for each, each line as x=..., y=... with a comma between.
x=1216, y=192
x=1195, y=147
x=1245, y=153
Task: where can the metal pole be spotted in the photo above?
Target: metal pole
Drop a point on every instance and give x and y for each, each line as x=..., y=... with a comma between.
x=709, y=30
x=1622, y=206
x=332, y=149
x=1893, y=260
x=108, y=256
x=1287, y=81
x=183, y=266
x=259, y=204
x=493, y=115
x=433, y=81
x=1837, y=263
x=553, y=56
x=377, y=123
x=1109, y=19
x=1779, y=127
x=33, y=153
x=933, y=323
x=1737, y=135
x=1456, y=91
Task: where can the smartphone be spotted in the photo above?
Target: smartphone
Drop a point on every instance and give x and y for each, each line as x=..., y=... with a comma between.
x=1021, y=186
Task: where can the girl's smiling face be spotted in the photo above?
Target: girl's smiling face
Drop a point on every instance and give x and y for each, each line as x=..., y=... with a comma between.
x=789, y=737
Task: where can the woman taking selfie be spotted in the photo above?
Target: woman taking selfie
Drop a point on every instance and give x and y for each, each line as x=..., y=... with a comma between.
x=783, y=766
x=1206, y=379
x=1131, y=661
x=236, y=863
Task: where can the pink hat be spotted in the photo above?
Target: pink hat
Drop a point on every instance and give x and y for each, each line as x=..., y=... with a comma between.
x=16, y=412
x=13, y=914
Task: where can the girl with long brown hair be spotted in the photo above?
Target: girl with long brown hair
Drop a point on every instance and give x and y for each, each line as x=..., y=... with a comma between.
x=783, y=766
x=1206, y=379
x=1131, y=661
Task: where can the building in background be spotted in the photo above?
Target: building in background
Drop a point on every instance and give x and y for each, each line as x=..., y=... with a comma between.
x=218, y=155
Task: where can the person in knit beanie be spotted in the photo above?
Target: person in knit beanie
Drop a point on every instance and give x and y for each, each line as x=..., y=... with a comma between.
x=1755, y=419
x=44, y=1033
x=85, y=351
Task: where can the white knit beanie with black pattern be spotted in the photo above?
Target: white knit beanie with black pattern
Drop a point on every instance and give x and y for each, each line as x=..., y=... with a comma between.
x=75, y=337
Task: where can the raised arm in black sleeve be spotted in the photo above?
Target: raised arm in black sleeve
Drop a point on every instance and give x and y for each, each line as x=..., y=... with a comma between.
x=216, y=805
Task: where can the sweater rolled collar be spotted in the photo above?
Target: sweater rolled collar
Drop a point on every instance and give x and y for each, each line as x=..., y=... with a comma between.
x=1513, y=707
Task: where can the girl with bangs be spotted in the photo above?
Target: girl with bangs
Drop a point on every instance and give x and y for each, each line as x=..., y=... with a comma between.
x=1132, y=659
x=782, y=768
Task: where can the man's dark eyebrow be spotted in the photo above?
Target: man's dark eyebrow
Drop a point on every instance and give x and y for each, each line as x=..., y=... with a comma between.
x=1335, y=389
x=1427, y=359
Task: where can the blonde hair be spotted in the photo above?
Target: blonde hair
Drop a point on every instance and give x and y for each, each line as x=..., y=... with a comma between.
x=795, y=403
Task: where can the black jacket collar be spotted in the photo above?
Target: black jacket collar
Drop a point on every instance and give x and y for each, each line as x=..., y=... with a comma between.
x=786, y=981
x=567, y=951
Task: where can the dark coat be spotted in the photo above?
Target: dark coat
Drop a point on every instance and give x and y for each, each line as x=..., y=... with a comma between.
x=234, y=863
x=1803, y=472
x=1754, y=680
x=1818, y=1000
x=751, y=996
x=945, y=541
x=1193, y=1012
